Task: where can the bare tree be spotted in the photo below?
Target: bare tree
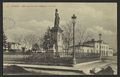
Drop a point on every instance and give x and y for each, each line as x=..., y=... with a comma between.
x=18, y=38
x=81, y=34
x=40, y=41
x=67, y=34
x=28, y=40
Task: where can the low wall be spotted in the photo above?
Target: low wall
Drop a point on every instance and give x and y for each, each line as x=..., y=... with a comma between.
x=47, y=58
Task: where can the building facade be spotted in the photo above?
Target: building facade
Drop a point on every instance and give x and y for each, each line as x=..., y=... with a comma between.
x=100, y=47
x=94, y=47
x=12, y=46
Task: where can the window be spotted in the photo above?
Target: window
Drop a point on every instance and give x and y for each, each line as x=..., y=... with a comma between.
x=106, y=47
x=91, y=51
x=88, y=51
x=97, y=51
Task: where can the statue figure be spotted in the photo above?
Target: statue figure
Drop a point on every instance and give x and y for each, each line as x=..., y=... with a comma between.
x=57, y=18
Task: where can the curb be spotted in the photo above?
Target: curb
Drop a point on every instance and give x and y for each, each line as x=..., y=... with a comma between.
x=86, y=63
x=50, y=68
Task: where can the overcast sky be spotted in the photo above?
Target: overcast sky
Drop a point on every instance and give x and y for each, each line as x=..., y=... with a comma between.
x=26, y=18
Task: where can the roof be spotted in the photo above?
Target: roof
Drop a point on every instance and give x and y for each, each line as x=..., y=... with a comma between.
x=93, y=41
x=110, y=48
x=85, y=44
x=14, y=43
x=82, y=46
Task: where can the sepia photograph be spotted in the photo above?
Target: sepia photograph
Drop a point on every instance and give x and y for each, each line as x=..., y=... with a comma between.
x=59, y=38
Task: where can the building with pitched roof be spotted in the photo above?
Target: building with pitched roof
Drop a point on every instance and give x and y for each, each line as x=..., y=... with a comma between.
x=95, y=47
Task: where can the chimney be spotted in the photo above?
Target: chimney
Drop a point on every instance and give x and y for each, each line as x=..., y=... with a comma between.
x=100, y=35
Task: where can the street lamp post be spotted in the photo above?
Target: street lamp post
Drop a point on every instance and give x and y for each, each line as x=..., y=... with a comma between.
x=73, y=21
x=100, y=46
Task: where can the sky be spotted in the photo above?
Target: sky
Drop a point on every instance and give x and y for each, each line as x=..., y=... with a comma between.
x=27, y=18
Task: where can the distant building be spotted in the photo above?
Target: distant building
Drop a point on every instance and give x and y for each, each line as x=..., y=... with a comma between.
x=95, y=47
x=12, y=46
x=103, y=47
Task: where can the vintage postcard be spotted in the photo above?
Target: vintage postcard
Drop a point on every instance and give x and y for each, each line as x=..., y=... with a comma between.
x=59, y=38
